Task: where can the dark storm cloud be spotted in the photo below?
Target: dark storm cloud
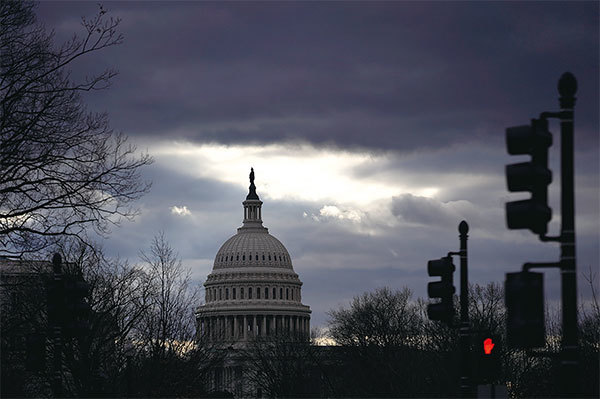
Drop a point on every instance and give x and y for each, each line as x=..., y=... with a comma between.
x=431, y=85
x=379, y=75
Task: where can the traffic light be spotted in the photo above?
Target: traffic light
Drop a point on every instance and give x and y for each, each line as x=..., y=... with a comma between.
x=55, y=301
x=534, y=176
x=524, y=296
x=488, y=352
x=77, y=306
x=443, y=289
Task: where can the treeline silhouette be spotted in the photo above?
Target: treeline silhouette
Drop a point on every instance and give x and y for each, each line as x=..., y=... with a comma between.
x=141, y=342
x=385, y=346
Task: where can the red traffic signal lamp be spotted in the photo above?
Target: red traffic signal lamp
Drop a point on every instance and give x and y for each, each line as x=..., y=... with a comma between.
x=534, y=176
x=488, y=346
x=443, y=289
x=488, y=353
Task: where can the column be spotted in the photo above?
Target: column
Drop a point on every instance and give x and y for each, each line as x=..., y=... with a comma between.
x=235, y=327
x=306, y=332
x=223, y=328
x=264, y=325
x=254, y=325
x=295, y=326
x=245, y=328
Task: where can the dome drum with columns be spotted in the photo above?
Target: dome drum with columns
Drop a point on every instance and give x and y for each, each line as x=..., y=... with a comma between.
x=253, y=290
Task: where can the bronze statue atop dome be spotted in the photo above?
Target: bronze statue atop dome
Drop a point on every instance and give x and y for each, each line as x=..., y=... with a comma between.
x=252, y=189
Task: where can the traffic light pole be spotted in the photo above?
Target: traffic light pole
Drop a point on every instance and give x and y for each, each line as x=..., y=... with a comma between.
x=567, y=87
x=464, y=331
x=569, y=351
x=444, y=310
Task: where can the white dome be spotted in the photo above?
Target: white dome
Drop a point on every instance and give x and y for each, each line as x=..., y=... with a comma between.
x=252, y=290
x=253, y=248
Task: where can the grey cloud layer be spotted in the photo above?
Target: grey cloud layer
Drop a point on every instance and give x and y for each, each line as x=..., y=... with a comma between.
x=387, y=75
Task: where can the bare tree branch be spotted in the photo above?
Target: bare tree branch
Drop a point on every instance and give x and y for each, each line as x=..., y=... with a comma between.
x=62, y=168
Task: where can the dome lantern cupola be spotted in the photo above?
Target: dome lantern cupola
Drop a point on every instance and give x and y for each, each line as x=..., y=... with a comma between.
x=252, y=207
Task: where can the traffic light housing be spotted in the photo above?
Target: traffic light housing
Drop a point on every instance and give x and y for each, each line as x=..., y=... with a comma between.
x=55, y=301
x=487, y=348
x=534, y=176
x=524, y=296
x=77, y=306
x=443, y=289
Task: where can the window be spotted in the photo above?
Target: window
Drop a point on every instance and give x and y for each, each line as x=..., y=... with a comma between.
x=263, y=256
x=226, y=293
x=280, y=258
x=226, y=259
x=244, y=257
x=237, y=257
x=241, y=293
x=269, y=256
x=266, y=293
x=220, y=292
x=274, y=293
x=281, y=293
x=287, y=294
x=234, y=293
x=250, y=293
x=292, y=294
x=257, y=293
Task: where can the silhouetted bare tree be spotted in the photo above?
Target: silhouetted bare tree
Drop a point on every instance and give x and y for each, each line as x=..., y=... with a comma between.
x=62, y=168
x=168, y=325
x=120, y=295
x=379, y=332
x=282, y=366
x=166, y=332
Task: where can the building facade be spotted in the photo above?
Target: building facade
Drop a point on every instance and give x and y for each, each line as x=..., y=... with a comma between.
x=252, y=291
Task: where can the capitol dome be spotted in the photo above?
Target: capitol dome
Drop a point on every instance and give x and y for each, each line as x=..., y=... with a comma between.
x=252, y=290
x=252, y=249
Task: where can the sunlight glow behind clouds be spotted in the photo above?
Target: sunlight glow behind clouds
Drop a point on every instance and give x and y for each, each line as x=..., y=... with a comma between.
x=180, y=210
x=288, y=172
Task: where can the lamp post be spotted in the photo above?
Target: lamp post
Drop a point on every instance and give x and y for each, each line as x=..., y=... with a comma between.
x=464, y=331
x=567, y=87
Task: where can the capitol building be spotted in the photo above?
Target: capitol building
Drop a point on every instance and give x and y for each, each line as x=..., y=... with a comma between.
x=252, y=291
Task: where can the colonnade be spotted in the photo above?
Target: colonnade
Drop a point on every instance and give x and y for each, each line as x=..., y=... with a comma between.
x=243, y=327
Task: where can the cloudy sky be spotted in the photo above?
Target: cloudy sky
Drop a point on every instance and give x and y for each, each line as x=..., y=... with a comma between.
x=373, y=128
